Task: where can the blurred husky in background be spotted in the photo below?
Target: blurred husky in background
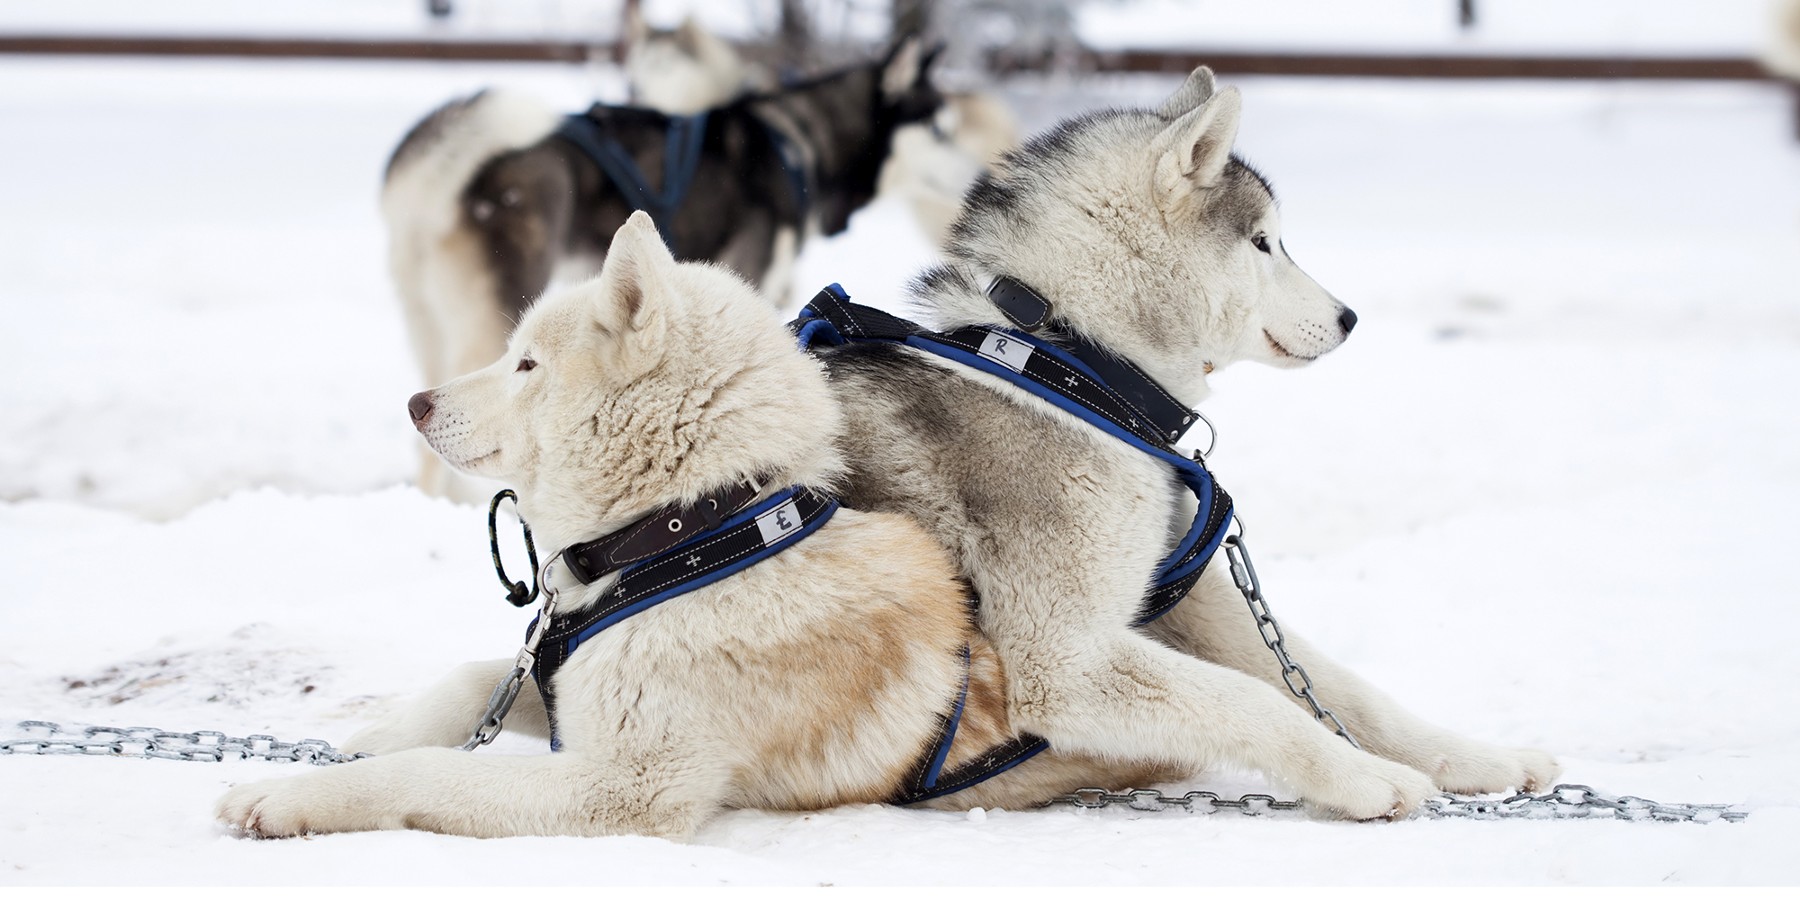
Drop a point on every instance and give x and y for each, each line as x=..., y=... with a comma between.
x=686, y=69
x=488, y=200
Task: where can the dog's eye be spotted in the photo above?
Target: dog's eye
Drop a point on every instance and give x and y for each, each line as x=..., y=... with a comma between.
x=1261, y=242
x=526, y=364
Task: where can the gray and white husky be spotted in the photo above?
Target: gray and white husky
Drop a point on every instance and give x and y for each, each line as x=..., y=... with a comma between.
x=814, y=678
x=485, y=206
x=1149, y=238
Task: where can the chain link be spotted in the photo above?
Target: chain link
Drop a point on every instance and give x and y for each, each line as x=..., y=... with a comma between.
x=1156, y=801
x=53, y=739
x=1565, y=801
x=1243, y=572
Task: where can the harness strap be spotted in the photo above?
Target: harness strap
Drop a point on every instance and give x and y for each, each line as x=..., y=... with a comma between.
x=1051, y=372
x=592, y=133
x=1163, y=418
x=793, y=165
x=743, y=540
x=928, y=780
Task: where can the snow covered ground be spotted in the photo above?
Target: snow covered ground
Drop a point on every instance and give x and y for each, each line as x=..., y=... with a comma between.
x=1545, y=495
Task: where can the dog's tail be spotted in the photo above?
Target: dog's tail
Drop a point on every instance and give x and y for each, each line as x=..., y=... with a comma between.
x=437, y=159
x=447, y=285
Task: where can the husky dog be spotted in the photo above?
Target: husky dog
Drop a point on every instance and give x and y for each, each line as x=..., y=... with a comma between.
x=931, y=164
x=485, y=205
x=1149, y=238
x=687, y=69
x=816, y=677
x=931, y=167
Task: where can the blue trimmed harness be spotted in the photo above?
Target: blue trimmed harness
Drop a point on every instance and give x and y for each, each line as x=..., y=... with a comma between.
x=1066, y=379
x=744, y=539
x=681, y=158
x=1123, y=402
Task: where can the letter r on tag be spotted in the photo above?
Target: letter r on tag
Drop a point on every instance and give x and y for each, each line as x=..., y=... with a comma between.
x=778, y=523
x=1006, y=350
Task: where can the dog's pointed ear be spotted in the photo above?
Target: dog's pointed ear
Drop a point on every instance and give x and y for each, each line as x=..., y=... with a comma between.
x=634, y=276
x=1194, y=149
x=902, y=68
x=1197, y=89
x=690, y=37
x=932, y=54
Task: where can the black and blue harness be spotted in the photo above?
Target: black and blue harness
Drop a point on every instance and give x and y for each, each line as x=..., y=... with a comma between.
x=1072, y=374
x=1080, y=378
x=669, y=553
x=594, y=133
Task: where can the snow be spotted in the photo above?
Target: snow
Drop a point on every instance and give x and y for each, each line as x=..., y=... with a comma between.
x=1545, y=495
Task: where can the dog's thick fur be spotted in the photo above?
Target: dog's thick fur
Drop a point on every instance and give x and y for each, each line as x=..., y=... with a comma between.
x=485, y=208
x=812, y=679
x=1152, y=240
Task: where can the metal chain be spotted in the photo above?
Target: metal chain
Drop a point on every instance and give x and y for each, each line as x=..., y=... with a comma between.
x=1244, y=573
x=1156, y=801
x=155, y=743
x=1565, y=801
x=500, y=702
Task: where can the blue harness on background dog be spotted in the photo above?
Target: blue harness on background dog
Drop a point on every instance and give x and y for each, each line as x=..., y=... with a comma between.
x=1075, y=375
x=593, y=134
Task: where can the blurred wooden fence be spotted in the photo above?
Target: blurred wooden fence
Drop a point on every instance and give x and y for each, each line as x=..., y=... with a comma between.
x=1225, y=62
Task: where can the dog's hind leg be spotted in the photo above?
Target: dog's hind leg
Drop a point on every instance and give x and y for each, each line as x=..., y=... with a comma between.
x=663, y=794
x=1213, y=624
x=446, y=714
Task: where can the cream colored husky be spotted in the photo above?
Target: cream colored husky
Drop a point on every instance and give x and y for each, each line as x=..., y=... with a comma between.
x=817, y=677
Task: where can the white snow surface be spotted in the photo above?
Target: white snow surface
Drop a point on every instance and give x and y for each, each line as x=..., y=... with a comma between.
x=1545, y=495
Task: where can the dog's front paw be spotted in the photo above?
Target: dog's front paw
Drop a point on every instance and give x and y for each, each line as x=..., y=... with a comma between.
x=286, y=807
x=1484, y=769
x=1362, y=786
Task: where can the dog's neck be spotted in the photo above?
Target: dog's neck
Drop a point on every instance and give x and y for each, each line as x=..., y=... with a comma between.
x=956, y=295
x=756, y=409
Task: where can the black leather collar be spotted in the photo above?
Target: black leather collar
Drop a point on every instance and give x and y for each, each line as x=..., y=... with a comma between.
x=656, y=533
x=1157, y=409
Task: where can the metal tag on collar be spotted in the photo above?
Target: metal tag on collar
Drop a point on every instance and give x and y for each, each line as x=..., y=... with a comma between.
x=1023, y=306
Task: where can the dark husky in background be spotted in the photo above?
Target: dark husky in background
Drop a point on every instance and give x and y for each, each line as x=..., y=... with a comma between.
x=486, y=204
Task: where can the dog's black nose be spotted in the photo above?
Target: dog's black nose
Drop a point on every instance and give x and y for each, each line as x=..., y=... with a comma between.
x=420, y=407
x=1347, y=320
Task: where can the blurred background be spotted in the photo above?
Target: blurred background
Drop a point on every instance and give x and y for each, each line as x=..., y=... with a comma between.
x=1545, y=495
